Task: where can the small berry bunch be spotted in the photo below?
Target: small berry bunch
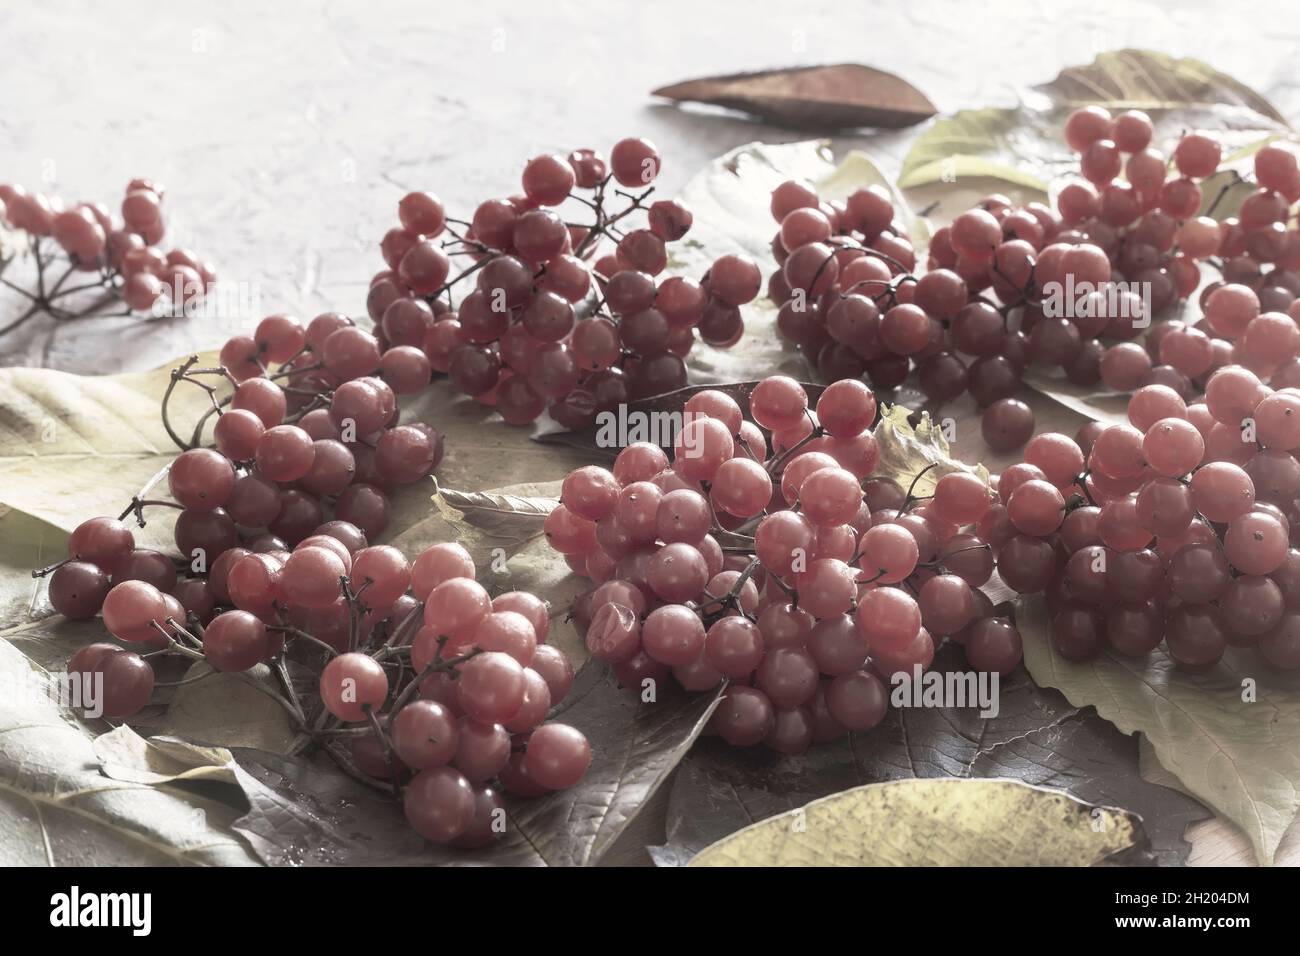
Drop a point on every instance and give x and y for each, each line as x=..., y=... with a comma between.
x=763, y=554
x=1177, y=527
x=548, y=314
x=425, y=681
x=119, y=259
x=1073, y=289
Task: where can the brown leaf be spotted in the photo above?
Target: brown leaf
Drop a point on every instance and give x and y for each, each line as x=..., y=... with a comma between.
x=841, y=96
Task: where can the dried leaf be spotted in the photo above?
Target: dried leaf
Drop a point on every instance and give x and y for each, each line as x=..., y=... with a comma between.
x=503, y=514
x=843, y=96
x=635, y=745
x=985, y=143
x=1231, y=734
x=1110, y=408
x=58, y=810
x=1037, y=738
x=936, y=823
x=916, y=457
x=124, y=755
x=226, y=711
x=1150, y=81
x=73, y=446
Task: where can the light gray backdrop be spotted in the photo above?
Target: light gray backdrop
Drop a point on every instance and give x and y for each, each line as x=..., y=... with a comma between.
x=286, y=132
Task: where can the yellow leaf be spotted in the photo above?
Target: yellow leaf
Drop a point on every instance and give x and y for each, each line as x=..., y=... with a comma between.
x=938, y=822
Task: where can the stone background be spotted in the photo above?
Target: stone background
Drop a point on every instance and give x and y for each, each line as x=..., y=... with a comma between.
x=286, y=132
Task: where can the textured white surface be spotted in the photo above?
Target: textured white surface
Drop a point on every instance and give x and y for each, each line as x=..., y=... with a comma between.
x=286, y=132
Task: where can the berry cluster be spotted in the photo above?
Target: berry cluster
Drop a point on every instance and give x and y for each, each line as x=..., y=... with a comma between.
x=544, y=327
x=436, y=687
x=432, y=684
x=1151, y=230
x=849, y=296
x=119, y=258
x=1177, y=527
x=763, y=554
x=1010, y=287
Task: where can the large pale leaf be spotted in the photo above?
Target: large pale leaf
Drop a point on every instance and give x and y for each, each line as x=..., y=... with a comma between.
x=74, y=446
x=936, y=823
x=58, y=810
x=1231, y=735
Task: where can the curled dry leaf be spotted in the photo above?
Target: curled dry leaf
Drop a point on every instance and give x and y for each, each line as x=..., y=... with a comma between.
x=840, y=96
x=124, y=755
x=1231, y=734
x=516, y=513
x=916, y=456
x=936, y=823
x=1036, y=737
